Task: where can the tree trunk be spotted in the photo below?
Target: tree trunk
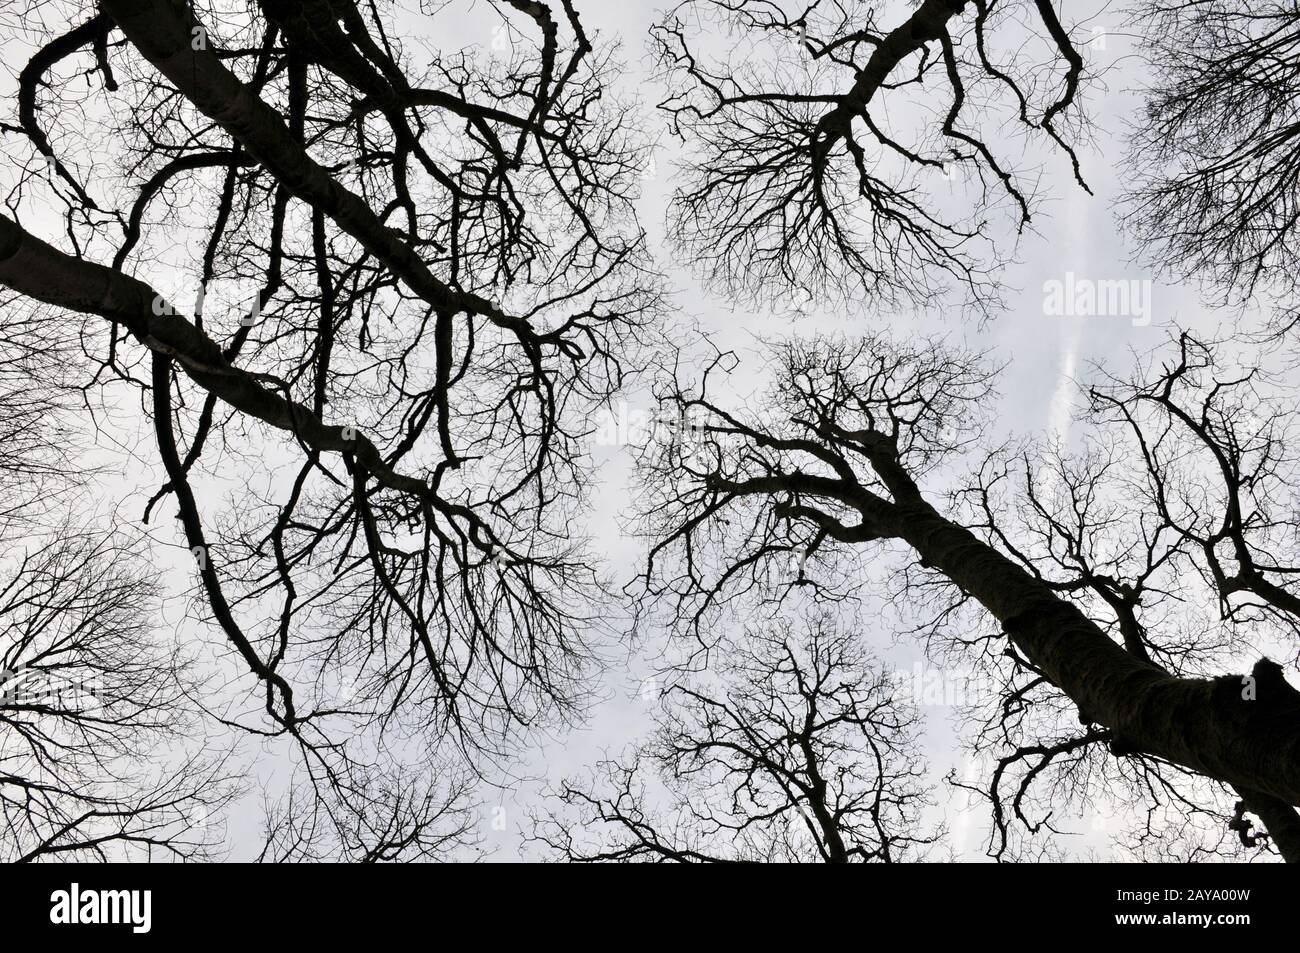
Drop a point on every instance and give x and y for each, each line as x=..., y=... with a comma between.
x=1280, y=821
x=1242, y=730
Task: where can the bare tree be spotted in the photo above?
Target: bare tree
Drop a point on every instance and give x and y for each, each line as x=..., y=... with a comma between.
x=818, y=132
x=36, y=401
x=437, y=277
x=1070, y=610
x=422, y=812
x=95, y=724
x=794, y=748
x=1069, y=579
x=364, y=291
x=1217, y=151
x=102, y=755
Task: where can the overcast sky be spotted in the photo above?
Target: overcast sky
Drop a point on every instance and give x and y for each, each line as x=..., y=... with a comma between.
x=1075, y=235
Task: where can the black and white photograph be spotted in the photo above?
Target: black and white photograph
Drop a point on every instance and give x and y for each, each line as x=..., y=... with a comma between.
x=555, y=432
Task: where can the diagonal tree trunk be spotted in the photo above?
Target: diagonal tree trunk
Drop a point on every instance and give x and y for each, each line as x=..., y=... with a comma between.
x=1243, y=730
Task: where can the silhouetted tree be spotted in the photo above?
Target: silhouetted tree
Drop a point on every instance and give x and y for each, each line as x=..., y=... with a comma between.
x=817, y=132
x=1073, y=589
x=794, y=748
x=101, y=751
x=366, y=291
x=95, y=762
x=1217, y=152
x=436, y=275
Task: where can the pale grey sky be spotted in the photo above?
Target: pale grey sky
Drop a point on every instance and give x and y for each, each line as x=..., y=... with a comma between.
x=1075, y=234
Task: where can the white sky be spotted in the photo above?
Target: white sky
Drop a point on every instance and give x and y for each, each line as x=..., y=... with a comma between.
x=1075, y=233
